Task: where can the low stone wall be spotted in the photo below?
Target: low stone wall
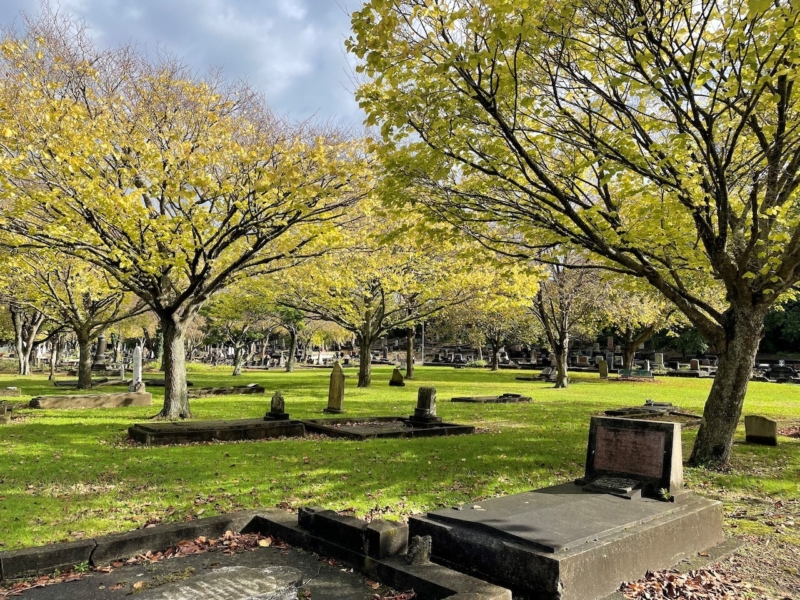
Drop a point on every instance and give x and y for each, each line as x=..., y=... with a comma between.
x=116, y=400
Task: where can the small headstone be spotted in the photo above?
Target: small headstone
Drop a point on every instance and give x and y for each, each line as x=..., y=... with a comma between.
x=760, y=430
x=397, y=379
x=277, y=411
x=425, y=412
x=596, y=347
x=610, y=343
x=659, y=360
x=603, y=366
x=336, y=390
x=694, y=365
x=553, y=360
x=137, y=385
x=583, y=361
x=419, y=550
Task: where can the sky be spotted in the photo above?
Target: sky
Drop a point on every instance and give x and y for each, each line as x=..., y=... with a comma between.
x=293, y=50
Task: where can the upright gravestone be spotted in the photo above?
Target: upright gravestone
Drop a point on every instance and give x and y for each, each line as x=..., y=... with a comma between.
x=336, y=390
x=760, y=430
x=397, y=378
x=122, y=369
x=425, y=412
x=610, y=343
x=659, y=360
x=100, y=354
x=603, y=366
x=137, y=385
x=277, y=410
x=694, y=365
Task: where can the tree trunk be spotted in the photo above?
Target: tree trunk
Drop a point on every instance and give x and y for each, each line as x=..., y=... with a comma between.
x=410, y=331
x=365, y=361
x=238, y=359
x=562, y=377
x=53, y=358
x=723, y=407
x=292, y=350
x=176, y=395
x=495, y=355
x=85, y=360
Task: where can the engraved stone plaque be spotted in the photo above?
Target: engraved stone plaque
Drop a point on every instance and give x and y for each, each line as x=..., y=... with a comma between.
x=638, y=452
x=232, y=583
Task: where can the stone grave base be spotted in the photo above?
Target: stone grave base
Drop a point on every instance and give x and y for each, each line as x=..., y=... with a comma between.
x=252, y=388
x=694, y=374
x=161, y=382
x=382, y=427
x=563, y=543
x=655, y=412
x=183, y=432
x=74, y=383
x=502, y=399
x=116, y=400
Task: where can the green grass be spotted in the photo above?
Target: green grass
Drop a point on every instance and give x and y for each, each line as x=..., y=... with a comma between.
x=70, y=474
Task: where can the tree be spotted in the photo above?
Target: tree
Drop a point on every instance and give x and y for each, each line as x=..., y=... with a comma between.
x=176, y=187
x=72, y=294
x=240, y=315
x=568, y=299
x=388, y=278
x=661, y=137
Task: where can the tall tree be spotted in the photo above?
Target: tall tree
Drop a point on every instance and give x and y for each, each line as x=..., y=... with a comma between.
x=660, y=136
x=176, y=187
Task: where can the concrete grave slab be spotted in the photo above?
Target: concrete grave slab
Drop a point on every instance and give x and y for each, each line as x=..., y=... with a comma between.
x=382, y=427
x=182, y=432
x=114, y=400
x=252, y=388
x=501, y=399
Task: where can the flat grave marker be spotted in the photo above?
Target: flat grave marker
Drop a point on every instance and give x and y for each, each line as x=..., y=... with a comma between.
x=501, y=399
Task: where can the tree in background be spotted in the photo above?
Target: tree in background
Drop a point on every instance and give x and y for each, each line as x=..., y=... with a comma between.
x=662, y=138
x=176, y=187
x=71, y=293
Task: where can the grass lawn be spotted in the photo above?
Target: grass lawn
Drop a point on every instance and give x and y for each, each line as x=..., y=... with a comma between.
x=66, y=474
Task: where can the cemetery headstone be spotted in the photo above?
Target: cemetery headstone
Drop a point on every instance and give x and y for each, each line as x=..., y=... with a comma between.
x=425, y=412
x=659, y=360
x=277, y=410
x=100, y=353
x=610, y=358
x=122, y=369
x=583, y=361
x=336, y=390
x=694, y=365
x=553, y=360
x=397, y=379
x=633, y=458
x=760, y=430
x=137, y=385
x=603, y=366
x=610, y=343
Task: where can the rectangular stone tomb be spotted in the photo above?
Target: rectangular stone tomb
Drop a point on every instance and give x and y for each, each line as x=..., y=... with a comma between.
x=502, y=399
x=382, y=427
x=252, y=388
x=566, y=543
x=116, y=400
x=183, y=432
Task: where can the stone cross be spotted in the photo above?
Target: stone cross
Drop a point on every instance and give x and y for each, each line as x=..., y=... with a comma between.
x=336, y=390
x=136, y=378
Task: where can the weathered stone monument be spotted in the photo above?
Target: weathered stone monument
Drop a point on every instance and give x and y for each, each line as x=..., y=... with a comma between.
x=760, y=430
x=659, y=360
x=397, y=379
x=628, y=515
x=99, y=362
x=137, y=385
x=425, y=411
x=603, y=367
x=336, y=390
x=694, y=365
x=277, y=410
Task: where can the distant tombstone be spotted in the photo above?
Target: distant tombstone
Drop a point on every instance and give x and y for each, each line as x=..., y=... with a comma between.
x=618, y=360
x=553, y=360
x=397, y=379
x=610, y=358
x=610, y=343
x=694, y=365
x=336, y=390
x=596, y=347
x=100, y=354
x=659, y=360
x=425, y=412
x=122, y=369
x=583, y=361
x=646, y=365
x=385, y=353
x=617, y=349
x=603, y=366
x=137, y=385
x=628, y=457
x=760, y=430
x=277, y=410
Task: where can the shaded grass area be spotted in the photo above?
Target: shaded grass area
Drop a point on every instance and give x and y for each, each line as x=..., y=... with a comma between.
x=66, y=474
